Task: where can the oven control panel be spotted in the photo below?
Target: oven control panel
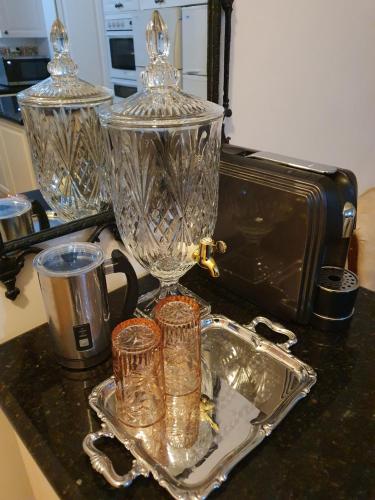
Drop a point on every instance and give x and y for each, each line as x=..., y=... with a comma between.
x=119, y=24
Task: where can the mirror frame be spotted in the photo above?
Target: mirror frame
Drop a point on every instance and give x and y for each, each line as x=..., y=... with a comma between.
x=12, y=253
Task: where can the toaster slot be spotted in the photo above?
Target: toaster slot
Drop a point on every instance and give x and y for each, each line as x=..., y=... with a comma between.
x=288, y=161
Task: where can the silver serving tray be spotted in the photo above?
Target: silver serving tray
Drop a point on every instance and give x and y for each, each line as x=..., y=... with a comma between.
x=253, y=384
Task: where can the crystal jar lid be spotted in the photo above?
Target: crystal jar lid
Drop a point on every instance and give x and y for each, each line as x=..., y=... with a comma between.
x=63, y=88
x=161, y=103
x=13, y=206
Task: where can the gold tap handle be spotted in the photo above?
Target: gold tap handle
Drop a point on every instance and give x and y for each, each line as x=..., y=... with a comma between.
x=206, y=406
x=221, y=246
x=204, y=255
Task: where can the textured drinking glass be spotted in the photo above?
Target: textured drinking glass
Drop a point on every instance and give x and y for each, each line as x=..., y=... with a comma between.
x=138, y=370
x=68, y=147
x=179, y=320
x=153, y=438
x=182, y=419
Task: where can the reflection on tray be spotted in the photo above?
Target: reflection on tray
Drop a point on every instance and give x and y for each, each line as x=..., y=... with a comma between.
x=185, y=443
x=248, y=386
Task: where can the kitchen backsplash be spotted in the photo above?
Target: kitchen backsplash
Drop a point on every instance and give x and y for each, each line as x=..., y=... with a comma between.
x=18, y=46
x=26, y=50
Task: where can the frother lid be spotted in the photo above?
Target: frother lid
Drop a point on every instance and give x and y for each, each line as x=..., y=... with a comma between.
x=69, y=259
x=63, y=88
x=161, y=103
x=13, y=206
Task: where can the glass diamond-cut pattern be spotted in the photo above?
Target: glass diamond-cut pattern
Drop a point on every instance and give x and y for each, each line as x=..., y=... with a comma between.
x=165, y=193
x=70, y=159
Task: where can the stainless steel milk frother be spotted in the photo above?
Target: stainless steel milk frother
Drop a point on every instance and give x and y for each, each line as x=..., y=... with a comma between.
x=16, y=217
x=74, y=289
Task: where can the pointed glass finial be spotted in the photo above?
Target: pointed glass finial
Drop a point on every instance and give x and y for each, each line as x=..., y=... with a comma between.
x=159, y=72
x=59, y=37
x=157, y=37
x=63, y=88
x=61, y=65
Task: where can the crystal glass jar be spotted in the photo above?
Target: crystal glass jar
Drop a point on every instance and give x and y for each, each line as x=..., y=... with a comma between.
x=166, y=151
x=69, y=153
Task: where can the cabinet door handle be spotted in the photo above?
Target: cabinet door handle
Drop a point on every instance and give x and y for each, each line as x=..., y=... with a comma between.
x=6, y=32
x=159, y=1
x=119, y=5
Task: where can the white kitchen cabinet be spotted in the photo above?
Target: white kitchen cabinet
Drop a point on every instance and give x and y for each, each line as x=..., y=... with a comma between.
x=194, y=40
x=22, y=19
x=160, y=4
x=16, y=170
x=195, y=85
x=119, y=6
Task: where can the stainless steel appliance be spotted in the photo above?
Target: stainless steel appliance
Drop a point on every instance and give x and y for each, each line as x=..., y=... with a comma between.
x=16, y=217
x=23, y=70
x=74, y=289
x=283, y=219
x=120, y=41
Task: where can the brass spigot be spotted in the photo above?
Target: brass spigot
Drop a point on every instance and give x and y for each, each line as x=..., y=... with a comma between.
x=204, y=255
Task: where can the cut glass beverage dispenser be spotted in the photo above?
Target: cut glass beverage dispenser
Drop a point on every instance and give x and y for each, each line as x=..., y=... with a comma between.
x=67, y=144
x=166, y=152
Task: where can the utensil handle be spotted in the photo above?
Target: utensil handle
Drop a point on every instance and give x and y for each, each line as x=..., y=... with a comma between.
x=275, y=327
x=120, y=264
x=41, y=215
x=102, y=463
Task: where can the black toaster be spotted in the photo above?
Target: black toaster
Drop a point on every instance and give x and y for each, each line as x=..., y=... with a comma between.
x=284, y=220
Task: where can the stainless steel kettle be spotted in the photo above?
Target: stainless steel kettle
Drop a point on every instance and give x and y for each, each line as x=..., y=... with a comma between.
x=74, y=289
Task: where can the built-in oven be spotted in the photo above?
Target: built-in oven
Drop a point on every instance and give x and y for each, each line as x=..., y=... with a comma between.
x=120, y=41
x=124, y=88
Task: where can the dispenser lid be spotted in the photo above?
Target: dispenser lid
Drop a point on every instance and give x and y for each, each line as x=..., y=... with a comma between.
x=13, y=206
x=161, y=103
x=69, y=259
x=63, y=88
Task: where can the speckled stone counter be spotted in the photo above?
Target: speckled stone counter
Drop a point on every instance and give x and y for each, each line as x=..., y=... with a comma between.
x=323, y=449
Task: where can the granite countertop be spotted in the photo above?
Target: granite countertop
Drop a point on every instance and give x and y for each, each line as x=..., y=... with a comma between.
x=323, y=449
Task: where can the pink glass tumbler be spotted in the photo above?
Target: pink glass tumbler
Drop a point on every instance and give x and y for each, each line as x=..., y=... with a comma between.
x=179, y=320
x=138, y=370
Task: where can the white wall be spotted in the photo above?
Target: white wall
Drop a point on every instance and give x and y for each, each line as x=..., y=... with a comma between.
x=303, y=81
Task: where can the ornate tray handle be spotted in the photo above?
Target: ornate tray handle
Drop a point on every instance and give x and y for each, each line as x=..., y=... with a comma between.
x=102, y=464
x=276, y=327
